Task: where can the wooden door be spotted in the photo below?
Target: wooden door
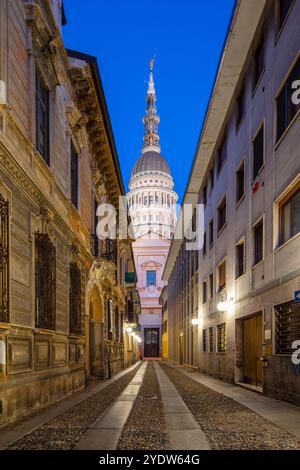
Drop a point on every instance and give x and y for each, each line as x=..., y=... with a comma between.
x=253, y=372
x=151, y=347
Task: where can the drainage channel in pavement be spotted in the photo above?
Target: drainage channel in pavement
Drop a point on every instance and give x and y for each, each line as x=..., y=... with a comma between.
x=226, y=423
x=68, y=428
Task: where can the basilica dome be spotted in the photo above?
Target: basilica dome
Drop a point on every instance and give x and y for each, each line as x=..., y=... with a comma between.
x=151, y=161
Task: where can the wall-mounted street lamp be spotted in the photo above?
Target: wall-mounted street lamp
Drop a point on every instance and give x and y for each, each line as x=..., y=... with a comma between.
x=226, y=305
x=128, y=329
x=195, y=321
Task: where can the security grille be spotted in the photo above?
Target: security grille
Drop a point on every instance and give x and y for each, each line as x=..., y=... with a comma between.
x=45, y=277
x=287, y=326
x=75, y=299
x=211, y=339
x=4, y=260
x=221, y=337
x=204, y=341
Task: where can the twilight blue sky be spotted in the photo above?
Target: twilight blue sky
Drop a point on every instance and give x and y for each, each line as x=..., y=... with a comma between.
x=187, y=37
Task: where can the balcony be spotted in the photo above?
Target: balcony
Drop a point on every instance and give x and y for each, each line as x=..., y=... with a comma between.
x=104, y=249
x=130, y=279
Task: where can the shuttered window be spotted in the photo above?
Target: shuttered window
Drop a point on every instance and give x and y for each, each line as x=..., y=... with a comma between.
x=287, y=326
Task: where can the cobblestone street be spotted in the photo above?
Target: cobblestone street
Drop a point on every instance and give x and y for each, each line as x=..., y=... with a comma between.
x=158, y=407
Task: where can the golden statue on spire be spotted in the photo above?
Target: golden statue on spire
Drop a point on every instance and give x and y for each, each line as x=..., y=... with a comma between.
x=152, y=63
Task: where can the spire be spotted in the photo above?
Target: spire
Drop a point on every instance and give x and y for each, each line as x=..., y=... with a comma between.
x=151, y=120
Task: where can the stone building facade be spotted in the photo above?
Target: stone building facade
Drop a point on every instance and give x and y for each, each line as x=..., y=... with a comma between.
x=246, y=173
x=64, y=299
x=152, y=205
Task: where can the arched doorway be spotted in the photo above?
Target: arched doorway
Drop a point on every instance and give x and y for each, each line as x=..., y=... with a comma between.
x=96, y=335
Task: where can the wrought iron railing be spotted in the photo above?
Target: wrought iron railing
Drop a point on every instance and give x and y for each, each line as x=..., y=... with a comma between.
x=104, y=248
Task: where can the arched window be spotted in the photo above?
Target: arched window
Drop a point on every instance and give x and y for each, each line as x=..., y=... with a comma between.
x=150, y=200
x=145, y=200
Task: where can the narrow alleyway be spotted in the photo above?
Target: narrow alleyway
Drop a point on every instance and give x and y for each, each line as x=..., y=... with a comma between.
x=158, y=407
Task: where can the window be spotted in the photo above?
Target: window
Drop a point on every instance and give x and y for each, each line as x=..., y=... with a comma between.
x=145, y=201
x=212, y=176
x=117, y=323
x=211, y=232
x=110, y=319
x=284, y=7
x=151, y=200
x=221, y=338
x=258, y=63
x=222, y=155
x=74, y=176
x=222, y=214
x=240, y=107
x=4, y=260
x=204, y=244
x=222, y=276
x=286, y=108
x=211, y=286
x=290, y=217
x=211, y=339
x=42, y=118
x=258, y=152
x=240, y=183
x=240, y=260
x=258, y=242
x=151, y=278
x=205, y=195
x=287, y=326
x=75, y=299
x=204, y=341
x=45, y=284
x=204, y=296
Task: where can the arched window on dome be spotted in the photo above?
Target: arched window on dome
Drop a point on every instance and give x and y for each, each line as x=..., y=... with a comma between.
x=168, y=200
x=151, y=200
x=156, y=198
x=145, y=200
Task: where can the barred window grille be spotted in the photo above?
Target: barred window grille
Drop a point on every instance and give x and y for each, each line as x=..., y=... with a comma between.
x=204, y=341
x=45, y=277
x=221, y=338
x=4, y=260
x=75, y=299
x=287, y=326
x=211, y=339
